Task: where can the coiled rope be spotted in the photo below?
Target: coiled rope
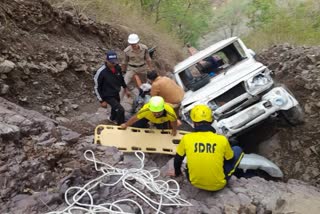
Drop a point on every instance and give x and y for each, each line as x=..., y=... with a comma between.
x=167, y=192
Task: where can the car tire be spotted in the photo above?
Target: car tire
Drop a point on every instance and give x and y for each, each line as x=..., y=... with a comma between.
x=294, y=116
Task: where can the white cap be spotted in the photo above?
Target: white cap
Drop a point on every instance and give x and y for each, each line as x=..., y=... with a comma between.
x=133, y=39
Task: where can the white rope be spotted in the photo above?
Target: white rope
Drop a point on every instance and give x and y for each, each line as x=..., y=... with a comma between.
x=163, y=190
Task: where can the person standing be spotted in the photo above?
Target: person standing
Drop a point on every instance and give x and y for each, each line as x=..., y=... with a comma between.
x=156, y=111
x=210, y=159
x=137, y=62
x=108, y=81
x=166, y=88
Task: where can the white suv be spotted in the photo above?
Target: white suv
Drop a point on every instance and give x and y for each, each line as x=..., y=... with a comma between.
x=239, y=90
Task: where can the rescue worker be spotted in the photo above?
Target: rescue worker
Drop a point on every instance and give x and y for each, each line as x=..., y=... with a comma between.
x=108, y=81
x=165, y=87
x=156, y=111
x=210, y=159
x=137, y=61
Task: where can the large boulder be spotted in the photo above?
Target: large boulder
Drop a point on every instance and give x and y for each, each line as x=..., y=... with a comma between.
x=6, y=66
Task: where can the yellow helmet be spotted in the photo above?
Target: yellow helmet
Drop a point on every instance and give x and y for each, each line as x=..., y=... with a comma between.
x=156, y=104
x=201, y=113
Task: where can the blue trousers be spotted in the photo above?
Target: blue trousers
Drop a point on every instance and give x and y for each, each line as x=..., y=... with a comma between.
x=231, y=165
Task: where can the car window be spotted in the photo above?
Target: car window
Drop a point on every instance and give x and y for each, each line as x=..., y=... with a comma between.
x=213, y=65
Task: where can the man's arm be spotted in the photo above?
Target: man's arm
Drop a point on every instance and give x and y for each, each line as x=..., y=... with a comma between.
x=124, y=67
x=98, y=88
x=137, y=80
x=149, y=63
x=229, y=152
x=98, y=79
x=131, y=121
x=177, y=164
x=125, y=63
x=180, y=154
x=174, y=125
x=148, y=60
x=123, y=83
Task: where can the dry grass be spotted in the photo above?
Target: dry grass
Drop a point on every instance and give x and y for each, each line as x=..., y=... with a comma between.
x=265, y=38
x=294, y=24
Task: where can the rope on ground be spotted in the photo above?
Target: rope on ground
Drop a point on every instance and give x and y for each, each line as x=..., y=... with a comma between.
x=165, y=192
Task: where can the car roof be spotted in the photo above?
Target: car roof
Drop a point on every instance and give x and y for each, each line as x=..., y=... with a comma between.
x=203, y=54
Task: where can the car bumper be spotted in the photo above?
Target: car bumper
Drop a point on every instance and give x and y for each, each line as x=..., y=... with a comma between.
x=275, y=100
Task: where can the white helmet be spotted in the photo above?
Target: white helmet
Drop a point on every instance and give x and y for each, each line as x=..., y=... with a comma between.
x=133, y=39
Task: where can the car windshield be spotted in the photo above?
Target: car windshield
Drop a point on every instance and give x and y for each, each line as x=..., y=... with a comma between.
x=212, y=66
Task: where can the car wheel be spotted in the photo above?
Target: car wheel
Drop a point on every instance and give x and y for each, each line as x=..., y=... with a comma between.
x=294, y=116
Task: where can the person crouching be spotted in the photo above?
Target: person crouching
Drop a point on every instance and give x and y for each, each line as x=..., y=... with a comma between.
x=156, y=111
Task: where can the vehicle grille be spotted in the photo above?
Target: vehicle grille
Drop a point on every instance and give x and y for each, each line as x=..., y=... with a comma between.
x=230, y=95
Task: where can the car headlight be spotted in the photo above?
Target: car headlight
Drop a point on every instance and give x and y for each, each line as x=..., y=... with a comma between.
x=259, y=83
x=279, y=101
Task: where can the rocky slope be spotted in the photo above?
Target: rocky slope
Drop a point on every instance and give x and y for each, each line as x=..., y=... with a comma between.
x=40, y=160
x=296, y=149
x=47, y=58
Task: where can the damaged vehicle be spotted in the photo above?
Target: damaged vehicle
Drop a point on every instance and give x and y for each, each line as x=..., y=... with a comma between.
x=240, y=90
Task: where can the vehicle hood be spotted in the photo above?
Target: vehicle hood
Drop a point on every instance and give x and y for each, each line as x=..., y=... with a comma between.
x=224, y=81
